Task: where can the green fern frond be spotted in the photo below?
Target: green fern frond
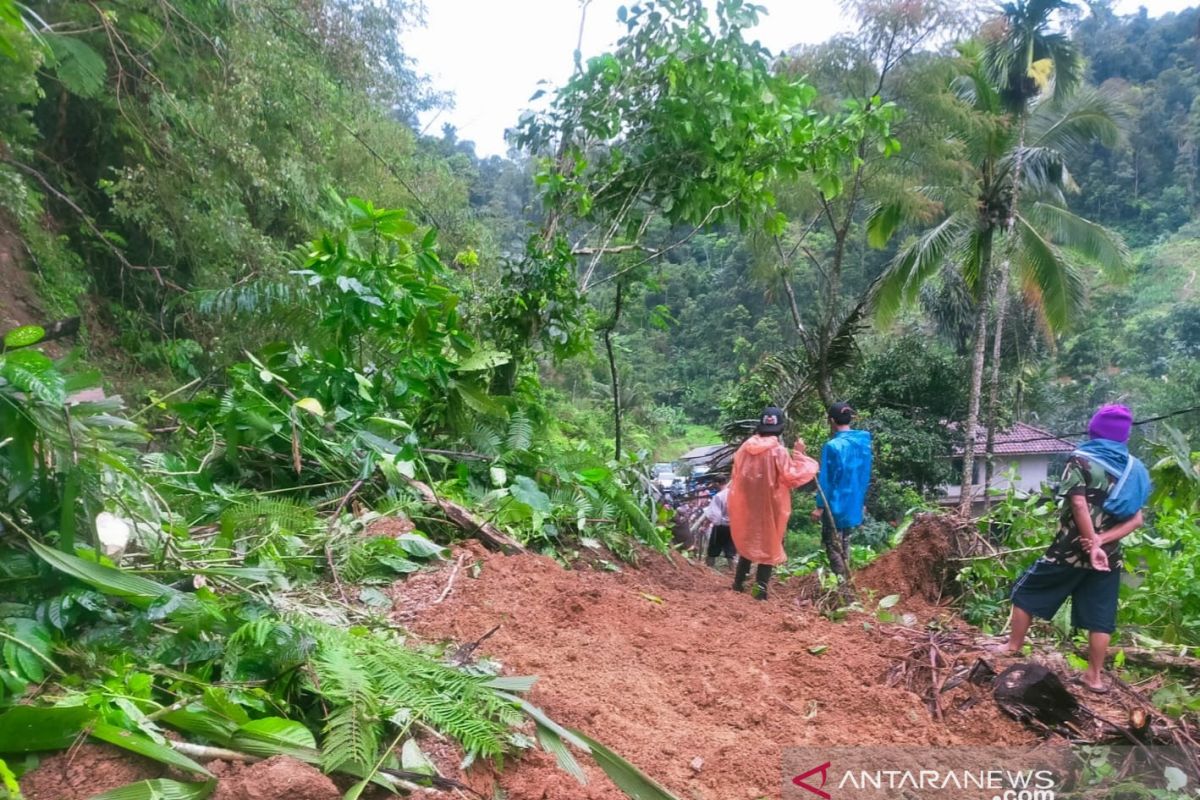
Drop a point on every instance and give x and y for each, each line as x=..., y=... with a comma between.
x=485, y=440
x=251, y=298
x=367, y=679
x=520, y=432
x=352, y=729
x=270, y=514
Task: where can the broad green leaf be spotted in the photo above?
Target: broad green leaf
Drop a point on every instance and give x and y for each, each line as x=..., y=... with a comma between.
x=525, y=490
x=28, y=651
x=312, y=405
x=117, y=583
x=889, y=601
x=33, y=372
x=159, y=789
x=272, y=736
x=418, y=546
x=29, y=729
x=484, y=359
x=594, y=474
x=478, y=400
x=202, y=722
x=136, y=743
x=818, y=649
x=626, y=776
x=24, y=336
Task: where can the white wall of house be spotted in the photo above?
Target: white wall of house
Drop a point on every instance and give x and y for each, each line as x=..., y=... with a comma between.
x=1029, y=473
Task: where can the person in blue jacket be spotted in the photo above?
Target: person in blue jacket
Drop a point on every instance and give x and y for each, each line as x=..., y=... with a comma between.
x=845, y=474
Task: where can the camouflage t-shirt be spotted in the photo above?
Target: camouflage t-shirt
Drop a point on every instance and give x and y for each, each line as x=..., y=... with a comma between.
x=1081, y=477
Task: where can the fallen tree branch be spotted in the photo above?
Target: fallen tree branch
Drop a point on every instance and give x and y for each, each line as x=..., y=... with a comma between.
x=1157, y=659
x=468, y=521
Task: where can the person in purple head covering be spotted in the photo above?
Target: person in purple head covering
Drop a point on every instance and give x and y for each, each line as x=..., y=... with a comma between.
x=1101, y=496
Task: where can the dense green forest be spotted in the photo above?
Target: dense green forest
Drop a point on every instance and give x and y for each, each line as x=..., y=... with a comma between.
x=251, y=313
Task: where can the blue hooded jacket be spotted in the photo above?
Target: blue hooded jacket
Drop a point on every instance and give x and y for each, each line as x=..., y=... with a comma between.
x=845, y=473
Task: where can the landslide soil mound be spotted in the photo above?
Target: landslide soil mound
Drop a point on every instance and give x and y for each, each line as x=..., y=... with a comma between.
x=700, y=687
x=921, y=566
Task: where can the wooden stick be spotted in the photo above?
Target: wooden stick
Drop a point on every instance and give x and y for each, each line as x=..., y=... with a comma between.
x=453, y=574
x=202, y=752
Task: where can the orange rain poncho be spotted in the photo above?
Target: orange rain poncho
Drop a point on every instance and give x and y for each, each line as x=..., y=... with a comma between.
x=760, y=496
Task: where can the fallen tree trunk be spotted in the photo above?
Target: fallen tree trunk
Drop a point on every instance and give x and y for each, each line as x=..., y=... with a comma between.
x=468, y=521
x=1156, y=659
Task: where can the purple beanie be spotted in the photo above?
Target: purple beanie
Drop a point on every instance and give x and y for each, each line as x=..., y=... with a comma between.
x=1111, y=422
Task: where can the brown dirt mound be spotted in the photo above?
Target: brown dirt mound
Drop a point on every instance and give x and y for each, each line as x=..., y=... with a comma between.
x=86, y=771
x=920, y=567
x=278, y=778
x=674, y=671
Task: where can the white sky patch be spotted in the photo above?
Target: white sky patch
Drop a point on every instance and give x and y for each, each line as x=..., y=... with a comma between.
x=490, y=54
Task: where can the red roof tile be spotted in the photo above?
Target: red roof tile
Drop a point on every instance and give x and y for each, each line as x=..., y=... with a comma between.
x=1021, y=440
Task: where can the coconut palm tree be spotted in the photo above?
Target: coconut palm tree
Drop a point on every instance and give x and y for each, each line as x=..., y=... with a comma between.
x=1007, y=198
x=1023, y=57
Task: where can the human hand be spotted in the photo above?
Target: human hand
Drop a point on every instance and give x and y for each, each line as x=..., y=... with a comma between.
x=1099, y=558
x=816, y=514
x=799, y=448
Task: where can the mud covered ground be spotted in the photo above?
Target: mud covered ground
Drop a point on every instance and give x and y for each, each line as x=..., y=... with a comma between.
x=700, y=687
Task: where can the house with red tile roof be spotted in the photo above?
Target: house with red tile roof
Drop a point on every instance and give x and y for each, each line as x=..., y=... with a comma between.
x=1024, y=458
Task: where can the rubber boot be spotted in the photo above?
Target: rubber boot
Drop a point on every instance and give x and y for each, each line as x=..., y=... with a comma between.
x=740, y=575
x=710, y=561
x=762, y=577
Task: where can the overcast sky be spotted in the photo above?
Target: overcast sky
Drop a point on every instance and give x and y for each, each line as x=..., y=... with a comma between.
x=490, y=54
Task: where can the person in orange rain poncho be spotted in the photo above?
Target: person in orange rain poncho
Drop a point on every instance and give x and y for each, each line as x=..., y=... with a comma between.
x=760, y=498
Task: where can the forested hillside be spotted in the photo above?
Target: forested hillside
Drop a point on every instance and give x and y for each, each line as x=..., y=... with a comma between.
x=280, y=366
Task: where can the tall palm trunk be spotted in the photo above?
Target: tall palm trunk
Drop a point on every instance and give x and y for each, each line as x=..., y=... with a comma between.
x=979, y=347
x=994, y=382
x=1001, y=316
x=612, y=370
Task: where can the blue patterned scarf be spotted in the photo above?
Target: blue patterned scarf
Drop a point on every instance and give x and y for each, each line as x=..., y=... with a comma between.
x=1132, y=487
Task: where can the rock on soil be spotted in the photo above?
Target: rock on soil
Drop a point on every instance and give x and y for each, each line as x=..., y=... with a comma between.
x=278, y=778
x=669, y=667
x=86, y=771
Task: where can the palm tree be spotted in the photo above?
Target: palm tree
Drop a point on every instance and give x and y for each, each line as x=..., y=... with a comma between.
x=1022, y=58
x=1046, y=245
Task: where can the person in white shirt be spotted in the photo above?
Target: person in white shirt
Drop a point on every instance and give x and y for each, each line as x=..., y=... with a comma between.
x=720, y=541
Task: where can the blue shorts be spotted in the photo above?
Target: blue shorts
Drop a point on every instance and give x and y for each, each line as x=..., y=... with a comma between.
x=1045, y=586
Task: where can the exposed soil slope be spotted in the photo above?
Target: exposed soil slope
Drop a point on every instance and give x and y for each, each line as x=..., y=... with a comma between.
x=675, y=671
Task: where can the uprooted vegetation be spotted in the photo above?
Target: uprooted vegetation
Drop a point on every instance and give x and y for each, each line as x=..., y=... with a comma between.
x=224, y=591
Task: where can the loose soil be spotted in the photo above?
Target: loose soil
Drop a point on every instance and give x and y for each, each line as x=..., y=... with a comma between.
x=700, y=687
x=86, y=771
x=278, y=778
x=920, y=568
